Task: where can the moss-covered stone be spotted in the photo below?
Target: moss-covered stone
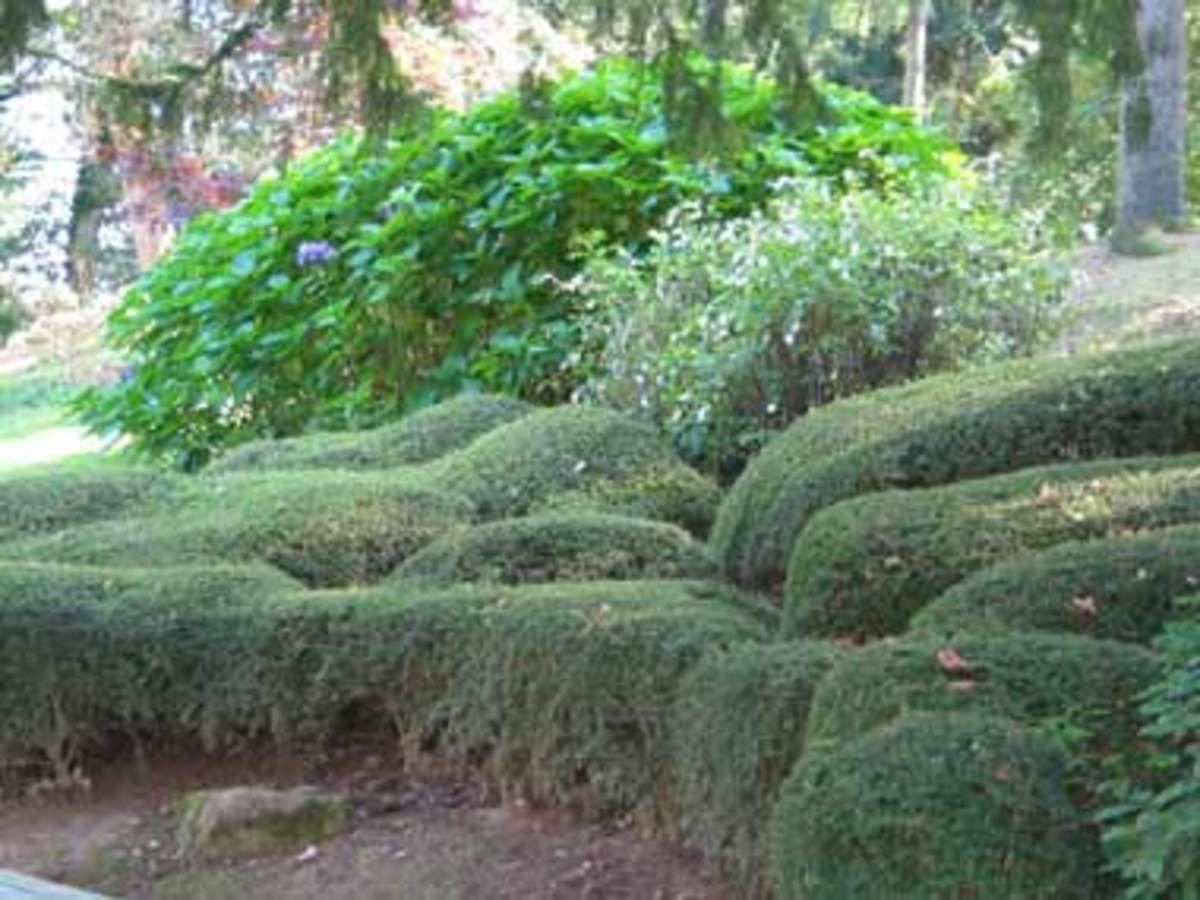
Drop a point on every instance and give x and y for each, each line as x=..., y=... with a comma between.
x=253, y=821
x=560, y=547
x=865, y=566
x=417, y=438
x=737, y=729
x=949, y=428
x=1118, y=588
x=933, y=806
x=325, y=528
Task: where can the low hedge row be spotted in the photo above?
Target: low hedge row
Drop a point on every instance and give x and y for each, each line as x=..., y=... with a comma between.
x=949, y=428
x=560, y=547
x=865, y=566
x=1118, y=588
x=932, y=806
x=326, y=528
x=1035, y=679
x=417, y=438
x=562, y=691
x=738, y=728
x=44, y=499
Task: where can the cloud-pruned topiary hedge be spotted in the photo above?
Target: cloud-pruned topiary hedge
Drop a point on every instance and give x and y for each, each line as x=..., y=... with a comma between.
x=933, y=805
x=738, y=727
x=865, y=566
x=417, y=438
x=560, y=547
x=949, y=428
x=1118, y=588
x=326, y=528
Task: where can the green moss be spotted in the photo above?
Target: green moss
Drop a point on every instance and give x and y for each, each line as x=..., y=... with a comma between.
x=420, y=437
x=864, y=567
x=568, y=449
x=932, y=806
x=738, y=727
x=1118, y=588
x=242, y=822
x=325, y=528
x=47, y=499
x=584, y=547
x=1031, y=678
x=948, y=428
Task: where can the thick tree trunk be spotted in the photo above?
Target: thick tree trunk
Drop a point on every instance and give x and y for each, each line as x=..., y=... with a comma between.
x=915, y=55
x=1151, y=175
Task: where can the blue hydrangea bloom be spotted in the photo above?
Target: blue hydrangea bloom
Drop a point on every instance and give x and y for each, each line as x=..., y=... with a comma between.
x=315, y=253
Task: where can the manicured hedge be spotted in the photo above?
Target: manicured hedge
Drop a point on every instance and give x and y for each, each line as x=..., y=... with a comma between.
x=864, y=567
x=948, y=428
x=932, y=806
x=561, y=692
x=564, y=547
x=1119, y=588
x=524, y=464
x=420, y=437
x=325, y=528
x=1032, y=678
x=46, y=499
x=738, y=727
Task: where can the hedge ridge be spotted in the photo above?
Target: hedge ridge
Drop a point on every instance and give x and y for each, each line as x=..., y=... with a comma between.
x=738, y=727
x=560, y=547
x=1118, y=588
x=420, y=437
x=326, y=528
x=865, y=566
x=932, y=806
x=1030, y=678
x=949, y=428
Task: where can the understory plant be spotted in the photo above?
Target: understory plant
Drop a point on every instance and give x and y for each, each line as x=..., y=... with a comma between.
x=726, y=329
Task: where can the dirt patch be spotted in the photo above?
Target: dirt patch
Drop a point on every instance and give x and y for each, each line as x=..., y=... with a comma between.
x=411, y=838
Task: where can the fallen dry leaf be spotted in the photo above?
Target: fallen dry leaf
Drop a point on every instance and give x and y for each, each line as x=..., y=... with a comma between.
x=953, y=664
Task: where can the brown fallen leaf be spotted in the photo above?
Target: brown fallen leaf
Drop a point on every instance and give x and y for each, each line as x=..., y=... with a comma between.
x=953, y=664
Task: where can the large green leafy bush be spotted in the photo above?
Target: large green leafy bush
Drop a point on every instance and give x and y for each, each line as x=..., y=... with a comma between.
x=725, y=329
x=369, y=277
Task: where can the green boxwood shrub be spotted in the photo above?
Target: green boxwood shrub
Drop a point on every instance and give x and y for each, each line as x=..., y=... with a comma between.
x=737, y=729
x=88, y=653
x=560, y=547
x=44, y=499
x=1036, y=679
x=573, y=449
x=1119, y=588
x=423, y=436
x=932, y=806
x=948, y=428
x=325, y=528
x=371, y=276
x=865, y=566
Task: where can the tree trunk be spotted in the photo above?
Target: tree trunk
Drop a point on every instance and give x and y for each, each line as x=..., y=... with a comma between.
x=1151, y=174
x=915, y=55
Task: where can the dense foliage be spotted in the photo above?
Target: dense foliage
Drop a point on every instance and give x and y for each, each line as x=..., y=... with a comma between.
x=381, y=277
x=725, y=329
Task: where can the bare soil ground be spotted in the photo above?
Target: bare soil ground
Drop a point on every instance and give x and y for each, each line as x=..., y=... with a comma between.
x=411, y=838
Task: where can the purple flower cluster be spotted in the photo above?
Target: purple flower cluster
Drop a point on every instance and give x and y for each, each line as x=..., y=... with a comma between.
x=315, y=253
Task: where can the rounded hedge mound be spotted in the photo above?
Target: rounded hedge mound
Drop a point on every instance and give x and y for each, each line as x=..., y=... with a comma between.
x=1032, y=678
x=1118, y=588
x=587, y=547
x=45, y=499
x=942, y=806
x=737, y=729
x=865, y=566
x=948, y=428
x=420, y=437
x=325, y=528
x=576, y=449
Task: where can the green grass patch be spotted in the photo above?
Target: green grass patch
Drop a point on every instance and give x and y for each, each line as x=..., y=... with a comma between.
x=1118, y=588
x=949, y=428
x=864, y=567
x=933, y=806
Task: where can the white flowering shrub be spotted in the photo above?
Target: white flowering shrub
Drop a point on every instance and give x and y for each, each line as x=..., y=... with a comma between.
x=726, y=330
